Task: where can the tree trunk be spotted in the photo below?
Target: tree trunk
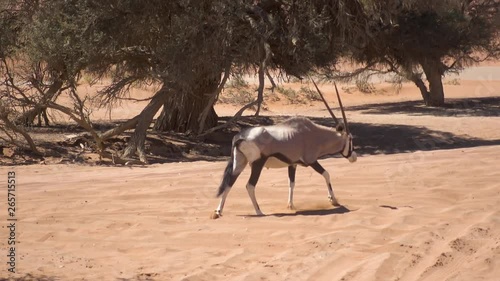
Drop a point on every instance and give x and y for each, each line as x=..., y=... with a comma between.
x=181, y=112
x=136, y=142
x=421, y=86
x=433, y=71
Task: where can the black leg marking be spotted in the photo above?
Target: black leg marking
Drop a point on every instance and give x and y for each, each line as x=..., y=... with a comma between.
x=233, y=180
x=257, y=166
x=291, y=173
x=318, y=168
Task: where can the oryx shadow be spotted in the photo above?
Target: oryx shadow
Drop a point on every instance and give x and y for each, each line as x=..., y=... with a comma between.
x=316, y=212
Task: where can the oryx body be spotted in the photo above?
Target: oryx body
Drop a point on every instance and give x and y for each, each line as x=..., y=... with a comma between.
x=297, y=141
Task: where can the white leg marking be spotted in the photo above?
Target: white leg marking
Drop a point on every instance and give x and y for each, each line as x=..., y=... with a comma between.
x=331, y=195
x=251, y=193
x=290, y=196
x=218, y=211
x=235, y=159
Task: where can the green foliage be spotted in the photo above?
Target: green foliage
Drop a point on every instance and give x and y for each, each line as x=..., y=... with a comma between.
x=365, y=86
x=291, y=95
x=454, y=82
x=237, y=97
x=410, y=34
x=309, y=94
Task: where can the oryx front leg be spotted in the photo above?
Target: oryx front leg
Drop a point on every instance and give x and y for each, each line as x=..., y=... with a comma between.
x=291, y=180
x=252, y=182
x=318, y=168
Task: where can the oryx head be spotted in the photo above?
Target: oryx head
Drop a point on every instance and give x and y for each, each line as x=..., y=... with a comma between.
x=342, y=128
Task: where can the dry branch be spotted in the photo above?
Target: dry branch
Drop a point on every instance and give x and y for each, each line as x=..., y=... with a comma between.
x=10, y=125
x=230, y=121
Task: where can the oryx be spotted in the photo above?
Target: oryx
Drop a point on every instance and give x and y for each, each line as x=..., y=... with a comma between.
x=296, y=141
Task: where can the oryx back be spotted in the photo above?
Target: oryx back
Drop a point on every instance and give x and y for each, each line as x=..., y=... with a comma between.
x=295, y=141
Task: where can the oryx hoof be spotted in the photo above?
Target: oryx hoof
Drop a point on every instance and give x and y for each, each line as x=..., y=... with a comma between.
x=259, y=213
x=334, y=202
x=291, y=207
x=215, y=215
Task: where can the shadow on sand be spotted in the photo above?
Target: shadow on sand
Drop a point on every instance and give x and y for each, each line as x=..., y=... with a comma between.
x=315, y=212
x=480, y=107
x=318, y=212
x=370, y=138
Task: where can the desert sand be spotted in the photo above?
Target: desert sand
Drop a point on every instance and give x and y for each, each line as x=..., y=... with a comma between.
x=415, y=209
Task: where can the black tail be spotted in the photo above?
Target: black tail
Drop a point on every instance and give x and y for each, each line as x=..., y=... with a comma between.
x=226, y=179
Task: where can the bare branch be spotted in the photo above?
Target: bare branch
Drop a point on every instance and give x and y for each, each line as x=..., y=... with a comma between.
x=4, y=117
x=80, y=121
x=262, y=71
x=230, y=121
x=130, y=124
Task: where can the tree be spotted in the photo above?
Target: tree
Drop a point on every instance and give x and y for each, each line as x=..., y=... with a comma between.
x=430, y=37
x=188, y=48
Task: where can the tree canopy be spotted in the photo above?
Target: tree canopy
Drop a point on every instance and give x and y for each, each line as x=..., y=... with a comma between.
x=189, y=48
x=433, y=37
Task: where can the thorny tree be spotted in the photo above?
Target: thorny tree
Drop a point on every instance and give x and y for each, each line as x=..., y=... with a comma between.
x=426, y=37
x=186, y=47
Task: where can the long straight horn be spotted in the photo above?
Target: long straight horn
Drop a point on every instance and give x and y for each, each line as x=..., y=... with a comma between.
x=324, y=101
x=341, y=108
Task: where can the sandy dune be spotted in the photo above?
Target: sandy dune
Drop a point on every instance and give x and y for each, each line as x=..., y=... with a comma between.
x=426, y=214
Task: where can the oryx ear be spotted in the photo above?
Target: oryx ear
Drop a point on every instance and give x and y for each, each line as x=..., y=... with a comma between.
x=340, y=128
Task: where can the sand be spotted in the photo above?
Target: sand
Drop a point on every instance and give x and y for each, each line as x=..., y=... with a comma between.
x=431, y=214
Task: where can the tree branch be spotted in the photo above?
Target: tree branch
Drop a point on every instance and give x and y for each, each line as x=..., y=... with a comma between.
x=230, y=121
x=10, y=125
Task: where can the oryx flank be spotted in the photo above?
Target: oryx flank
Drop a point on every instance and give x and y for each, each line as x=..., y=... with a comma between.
x=296, y=141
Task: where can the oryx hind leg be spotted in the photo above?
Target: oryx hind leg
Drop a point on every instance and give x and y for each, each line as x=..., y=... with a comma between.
x=291, y=180
x=235, y=166
x=257, y=166
x=318, y=168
